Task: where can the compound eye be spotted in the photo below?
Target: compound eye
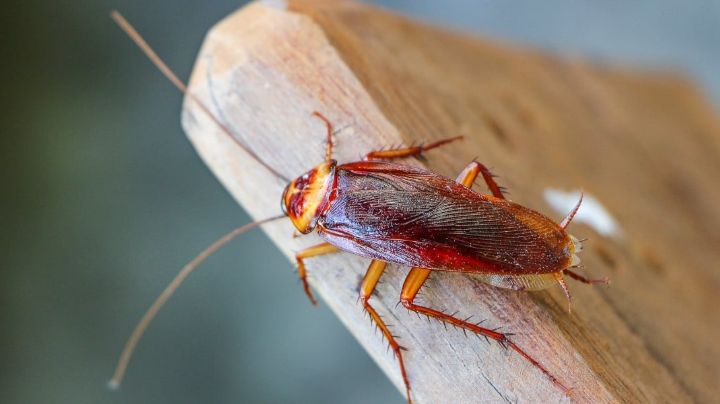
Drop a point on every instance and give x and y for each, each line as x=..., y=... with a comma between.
x=283, y=205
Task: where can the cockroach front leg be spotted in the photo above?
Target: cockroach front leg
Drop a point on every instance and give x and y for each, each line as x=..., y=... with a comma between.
x=329, y=129
x=314, y=251
x=415, y=280
x=366, y=289
x=468, y=175
x=407, y=151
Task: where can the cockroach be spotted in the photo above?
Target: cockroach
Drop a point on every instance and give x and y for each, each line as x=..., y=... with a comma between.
x=402, y=214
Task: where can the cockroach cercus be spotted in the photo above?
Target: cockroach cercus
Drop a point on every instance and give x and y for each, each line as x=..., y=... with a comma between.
x=394, y=213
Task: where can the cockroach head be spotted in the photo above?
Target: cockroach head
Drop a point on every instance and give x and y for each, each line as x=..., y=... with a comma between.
x=306, y=196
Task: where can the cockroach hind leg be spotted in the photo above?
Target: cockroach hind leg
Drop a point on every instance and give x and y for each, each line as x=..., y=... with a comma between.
x=566, y=222
x=415, y=280
x=580, y=278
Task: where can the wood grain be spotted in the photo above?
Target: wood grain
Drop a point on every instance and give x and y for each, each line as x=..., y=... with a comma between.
x=645, y=144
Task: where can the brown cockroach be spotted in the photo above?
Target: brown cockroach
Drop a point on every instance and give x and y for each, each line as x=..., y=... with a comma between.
x=394, y=213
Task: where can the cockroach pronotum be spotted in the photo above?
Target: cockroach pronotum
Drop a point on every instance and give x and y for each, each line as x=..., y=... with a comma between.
x=401, y=214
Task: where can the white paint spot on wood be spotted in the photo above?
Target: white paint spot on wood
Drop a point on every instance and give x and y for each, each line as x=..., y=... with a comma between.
x=591, y=212
x=278, y=4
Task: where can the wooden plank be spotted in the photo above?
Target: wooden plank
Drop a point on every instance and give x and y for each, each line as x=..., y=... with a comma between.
x=647, y=146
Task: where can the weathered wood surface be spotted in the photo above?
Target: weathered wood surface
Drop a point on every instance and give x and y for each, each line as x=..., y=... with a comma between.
x=646, y=145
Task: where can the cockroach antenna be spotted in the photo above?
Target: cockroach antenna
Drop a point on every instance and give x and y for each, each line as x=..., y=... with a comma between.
x=192, y=265
x=167, y=294
x=170, y=75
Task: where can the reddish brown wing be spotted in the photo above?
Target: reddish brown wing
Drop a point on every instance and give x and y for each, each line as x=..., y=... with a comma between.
x=413, y=217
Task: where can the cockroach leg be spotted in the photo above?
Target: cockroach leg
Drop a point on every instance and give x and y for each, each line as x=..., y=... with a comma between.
x=468, y=175
x=407, y=151
x=578, y=277
x=329, y=126
x=559, y=277
x=496, y=190
x=314, y=251
x=566, y=222
x=415, y=280
x=372, y=276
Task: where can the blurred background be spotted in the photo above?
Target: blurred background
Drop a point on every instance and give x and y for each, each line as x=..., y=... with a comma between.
x=103, y=200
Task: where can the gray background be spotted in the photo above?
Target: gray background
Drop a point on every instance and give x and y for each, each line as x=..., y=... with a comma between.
x=103, y=200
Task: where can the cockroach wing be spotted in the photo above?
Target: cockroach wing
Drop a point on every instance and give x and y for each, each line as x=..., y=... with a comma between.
x=413, y=217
